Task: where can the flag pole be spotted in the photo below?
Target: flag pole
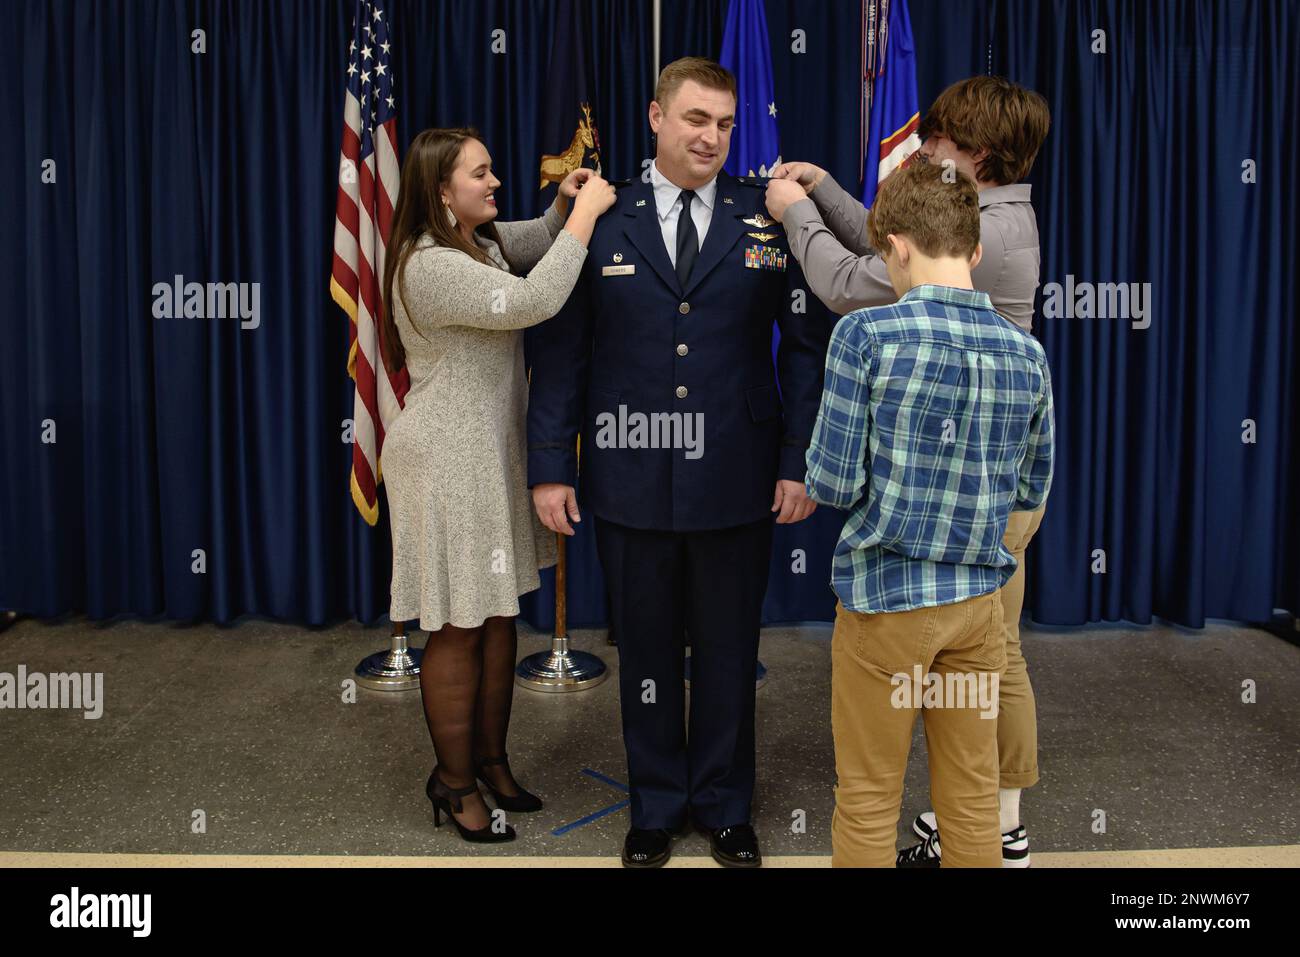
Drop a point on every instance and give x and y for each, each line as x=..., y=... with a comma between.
x=369, y=146
x=561, y=668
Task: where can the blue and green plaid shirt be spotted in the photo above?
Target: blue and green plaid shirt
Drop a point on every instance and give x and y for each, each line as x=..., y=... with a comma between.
x=935, y=422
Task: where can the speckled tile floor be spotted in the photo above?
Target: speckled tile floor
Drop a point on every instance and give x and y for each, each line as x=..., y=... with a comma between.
x=248, y=726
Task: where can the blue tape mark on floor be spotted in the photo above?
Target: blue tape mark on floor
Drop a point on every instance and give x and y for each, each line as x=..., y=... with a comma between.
x=608, y=780
x=583, y=821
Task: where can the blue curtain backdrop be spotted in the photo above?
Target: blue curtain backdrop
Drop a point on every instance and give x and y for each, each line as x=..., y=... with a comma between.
x=176, y=435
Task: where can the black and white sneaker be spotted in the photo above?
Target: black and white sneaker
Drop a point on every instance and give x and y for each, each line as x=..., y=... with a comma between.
x=1015, y=842
x=925, y=854
x=1015, y=847
x=925, y=825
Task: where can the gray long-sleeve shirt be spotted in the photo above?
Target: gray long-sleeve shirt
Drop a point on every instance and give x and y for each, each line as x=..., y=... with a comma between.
x=845, y=273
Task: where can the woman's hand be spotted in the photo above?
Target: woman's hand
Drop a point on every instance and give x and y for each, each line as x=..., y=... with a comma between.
x=570, y=184
x=569, y=187
x=595, y=196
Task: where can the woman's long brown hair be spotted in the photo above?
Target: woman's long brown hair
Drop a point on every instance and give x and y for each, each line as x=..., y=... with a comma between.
x=430, y=159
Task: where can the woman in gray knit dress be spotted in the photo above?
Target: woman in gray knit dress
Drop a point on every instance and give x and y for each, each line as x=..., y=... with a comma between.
x=466, y=541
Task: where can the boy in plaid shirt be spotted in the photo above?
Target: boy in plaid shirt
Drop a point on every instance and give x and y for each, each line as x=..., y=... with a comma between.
x=935, y=422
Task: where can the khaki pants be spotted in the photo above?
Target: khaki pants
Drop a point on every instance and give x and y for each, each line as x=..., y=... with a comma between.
x=1017, y=723
x=872, y=728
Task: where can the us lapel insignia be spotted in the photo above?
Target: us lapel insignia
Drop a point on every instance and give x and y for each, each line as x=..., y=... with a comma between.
x=640, y=202
x=763, y=237
x=759, y=220
x=618, y=257
x=729, y=201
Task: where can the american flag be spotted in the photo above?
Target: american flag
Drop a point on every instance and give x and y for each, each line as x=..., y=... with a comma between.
x=368, y=180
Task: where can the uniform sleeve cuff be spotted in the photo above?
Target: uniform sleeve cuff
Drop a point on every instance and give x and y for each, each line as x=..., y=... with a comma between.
x=552, y=464
x=794, y=466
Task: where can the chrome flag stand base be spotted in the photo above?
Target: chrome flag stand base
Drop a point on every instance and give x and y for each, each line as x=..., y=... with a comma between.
x=561, y=668
x=397, y=669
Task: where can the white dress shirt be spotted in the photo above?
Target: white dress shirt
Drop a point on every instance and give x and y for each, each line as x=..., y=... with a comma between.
x=668, y=204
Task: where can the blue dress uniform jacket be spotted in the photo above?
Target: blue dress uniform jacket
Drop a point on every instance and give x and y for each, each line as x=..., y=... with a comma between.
x=632, y=336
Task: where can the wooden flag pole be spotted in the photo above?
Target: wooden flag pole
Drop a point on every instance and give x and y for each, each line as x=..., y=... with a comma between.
x=561, y=590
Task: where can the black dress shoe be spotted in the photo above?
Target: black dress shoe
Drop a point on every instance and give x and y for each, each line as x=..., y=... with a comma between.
x=642, y=848
x=735, y=846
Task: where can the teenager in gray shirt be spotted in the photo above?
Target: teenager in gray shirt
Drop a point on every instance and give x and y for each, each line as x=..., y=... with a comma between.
x=991, y=130
x=988, y=128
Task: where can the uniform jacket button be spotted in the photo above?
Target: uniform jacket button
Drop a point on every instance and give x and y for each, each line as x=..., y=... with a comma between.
x=684, y=308
x=682, y=350
x=681, y=392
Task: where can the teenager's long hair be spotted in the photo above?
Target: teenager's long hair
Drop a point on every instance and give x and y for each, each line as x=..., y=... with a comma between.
x=429, y=162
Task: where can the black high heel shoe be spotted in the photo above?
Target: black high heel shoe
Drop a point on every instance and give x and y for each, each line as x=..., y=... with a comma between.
x=447, y=799
x=521, y=803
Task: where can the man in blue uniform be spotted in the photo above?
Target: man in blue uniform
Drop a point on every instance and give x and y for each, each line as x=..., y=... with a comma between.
x=662, y=362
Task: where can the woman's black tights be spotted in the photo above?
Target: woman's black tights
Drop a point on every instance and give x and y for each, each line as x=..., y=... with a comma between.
x=467, y=681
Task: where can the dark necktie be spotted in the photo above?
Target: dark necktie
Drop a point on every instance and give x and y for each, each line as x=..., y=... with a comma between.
x=688, y=241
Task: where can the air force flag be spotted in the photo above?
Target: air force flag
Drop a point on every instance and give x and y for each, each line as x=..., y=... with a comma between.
x=754, y=145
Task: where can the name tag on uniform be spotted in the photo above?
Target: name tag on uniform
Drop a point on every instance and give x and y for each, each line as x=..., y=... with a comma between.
x=628, y=270
x=765, y=257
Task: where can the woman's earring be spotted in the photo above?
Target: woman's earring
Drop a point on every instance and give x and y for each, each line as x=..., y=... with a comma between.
x=451, y=217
